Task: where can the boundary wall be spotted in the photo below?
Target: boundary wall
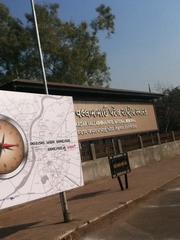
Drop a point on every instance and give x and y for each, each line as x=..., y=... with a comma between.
x=99, y=168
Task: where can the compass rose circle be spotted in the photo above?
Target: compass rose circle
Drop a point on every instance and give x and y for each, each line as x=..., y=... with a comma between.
x=13, y=148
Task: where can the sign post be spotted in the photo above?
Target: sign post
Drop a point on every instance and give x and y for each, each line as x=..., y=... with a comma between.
x=119, y=165
x=64, y=204
x=62, y=194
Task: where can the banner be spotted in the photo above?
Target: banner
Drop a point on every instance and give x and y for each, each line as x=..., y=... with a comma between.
x=39, y=152
x=104, y=119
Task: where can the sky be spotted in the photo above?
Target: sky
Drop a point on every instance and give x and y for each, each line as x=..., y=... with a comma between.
x=145, y=48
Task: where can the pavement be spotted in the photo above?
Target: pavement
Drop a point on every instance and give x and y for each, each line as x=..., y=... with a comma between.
x=88, y=205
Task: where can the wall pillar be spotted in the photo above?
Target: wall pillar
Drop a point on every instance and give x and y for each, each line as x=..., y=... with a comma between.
x=93, y=151
x=152, y=138
x=158, y=137
x=114, y=147
x=120, y=146
x=141, y=141
x=173, y=136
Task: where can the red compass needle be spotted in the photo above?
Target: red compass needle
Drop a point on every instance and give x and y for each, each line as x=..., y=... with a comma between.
x=8, y=146
x=4, y=146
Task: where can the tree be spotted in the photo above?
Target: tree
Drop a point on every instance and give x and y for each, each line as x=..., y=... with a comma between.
x=71, y=51
x=13, y=45
x=168, y=110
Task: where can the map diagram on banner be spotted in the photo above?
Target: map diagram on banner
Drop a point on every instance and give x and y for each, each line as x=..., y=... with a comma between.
x=39, y=152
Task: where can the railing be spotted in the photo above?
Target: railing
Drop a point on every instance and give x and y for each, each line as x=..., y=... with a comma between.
x=111, y=146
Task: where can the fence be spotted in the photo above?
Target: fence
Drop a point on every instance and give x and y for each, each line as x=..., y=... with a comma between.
x=106, y=147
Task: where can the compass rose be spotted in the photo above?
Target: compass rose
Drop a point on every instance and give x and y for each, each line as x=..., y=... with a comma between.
x=4, y=146
x=13, y=148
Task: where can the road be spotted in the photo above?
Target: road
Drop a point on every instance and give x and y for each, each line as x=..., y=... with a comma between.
x=156, y=218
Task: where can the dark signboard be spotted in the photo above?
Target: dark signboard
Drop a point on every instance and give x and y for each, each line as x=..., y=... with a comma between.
x=119, y=165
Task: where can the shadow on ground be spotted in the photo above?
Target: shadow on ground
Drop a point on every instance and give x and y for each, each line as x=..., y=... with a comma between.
x=88, y=195
x=6, y=231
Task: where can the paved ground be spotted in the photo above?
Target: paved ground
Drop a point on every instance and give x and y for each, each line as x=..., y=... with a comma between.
x=157, y=218
x=42, y=220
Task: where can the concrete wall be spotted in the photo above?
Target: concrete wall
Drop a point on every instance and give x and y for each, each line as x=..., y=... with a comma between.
x=99, y=168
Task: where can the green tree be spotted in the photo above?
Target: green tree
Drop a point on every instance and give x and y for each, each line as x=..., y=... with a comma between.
x=13, y=45
x=168, y=110
x=71, y=51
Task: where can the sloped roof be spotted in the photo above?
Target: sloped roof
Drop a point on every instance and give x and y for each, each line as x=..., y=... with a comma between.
x=80, y=92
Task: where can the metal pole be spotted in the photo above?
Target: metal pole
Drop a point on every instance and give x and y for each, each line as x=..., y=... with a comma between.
x=120, y=183
x=39, y=47
x=62, y=195
x=64, y=205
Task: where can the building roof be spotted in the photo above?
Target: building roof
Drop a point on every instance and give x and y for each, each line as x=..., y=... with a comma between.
x=80, y=92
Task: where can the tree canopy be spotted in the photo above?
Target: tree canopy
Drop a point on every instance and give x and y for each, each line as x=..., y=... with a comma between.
x=168, y=110
x=71, y=51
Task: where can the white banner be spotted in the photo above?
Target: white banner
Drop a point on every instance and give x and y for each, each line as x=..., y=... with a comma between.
x=39, y=152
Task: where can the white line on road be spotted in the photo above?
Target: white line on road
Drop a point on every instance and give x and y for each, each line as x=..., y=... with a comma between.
x=173, y=189
x=162, y=206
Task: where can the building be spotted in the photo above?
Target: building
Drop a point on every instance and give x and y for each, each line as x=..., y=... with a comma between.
x=109, y=121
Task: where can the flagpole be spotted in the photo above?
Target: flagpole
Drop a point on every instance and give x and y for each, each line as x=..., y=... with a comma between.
x=39, y=47
x=62, y=195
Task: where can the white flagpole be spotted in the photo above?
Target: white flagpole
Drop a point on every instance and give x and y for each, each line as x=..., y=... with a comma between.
x=39, y=47
x=62, y=195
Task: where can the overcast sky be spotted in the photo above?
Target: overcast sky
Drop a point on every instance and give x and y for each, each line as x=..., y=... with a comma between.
x=145, y=48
